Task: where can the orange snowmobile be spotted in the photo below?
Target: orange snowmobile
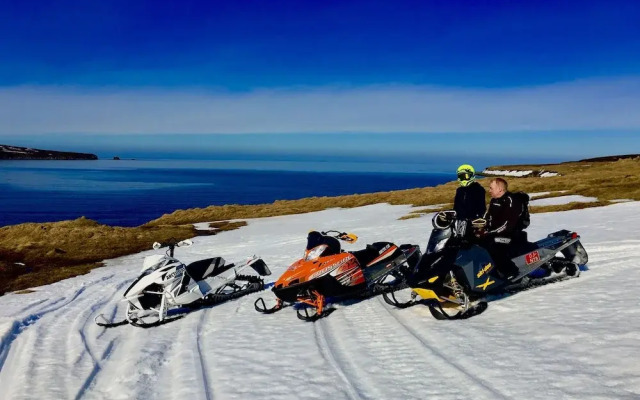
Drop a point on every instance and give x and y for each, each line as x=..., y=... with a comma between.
x=325, y=271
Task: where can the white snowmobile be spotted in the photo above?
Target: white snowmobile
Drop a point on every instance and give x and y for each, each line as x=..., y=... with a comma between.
x=167, y=288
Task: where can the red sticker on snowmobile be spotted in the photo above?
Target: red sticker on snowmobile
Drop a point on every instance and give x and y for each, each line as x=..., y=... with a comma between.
x=532, y=257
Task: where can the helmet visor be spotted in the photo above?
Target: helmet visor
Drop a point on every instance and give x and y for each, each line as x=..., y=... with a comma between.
x=464, y=176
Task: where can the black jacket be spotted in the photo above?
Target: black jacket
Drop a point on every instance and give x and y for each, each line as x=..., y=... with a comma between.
x=469, y=201
x=503, y=216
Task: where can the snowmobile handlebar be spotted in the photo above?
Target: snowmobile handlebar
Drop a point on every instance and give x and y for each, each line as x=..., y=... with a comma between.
x=344, y=236
x=172, y=244
x=447, y=219
x=443, y=219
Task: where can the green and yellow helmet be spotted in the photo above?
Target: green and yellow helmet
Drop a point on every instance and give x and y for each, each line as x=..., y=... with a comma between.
x=466, y=174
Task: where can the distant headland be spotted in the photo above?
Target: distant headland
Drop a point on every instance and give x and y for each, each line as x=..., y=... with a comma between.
x=26, y=153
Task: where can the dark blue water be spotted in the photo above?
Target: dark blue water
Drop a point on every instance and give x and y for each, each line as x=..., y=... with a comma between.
x=130, y=193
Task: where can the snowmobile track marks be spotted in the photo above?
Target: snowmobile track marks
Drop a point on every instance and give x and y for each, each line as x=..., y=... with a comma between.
x=106, y=353
x=96, y=369
x=327, y=353
x=35, y=304
x=64, y=310
x=20, y=326
x=362, y=329
x=203, y=364
x=493, y=392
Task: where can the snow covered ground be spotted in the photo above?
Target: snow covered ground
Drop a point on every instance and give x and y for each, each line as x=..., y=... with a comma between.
x=552, y=201
x=544, y=194
x=501, y=172
x=518, y=173
x=576, y=339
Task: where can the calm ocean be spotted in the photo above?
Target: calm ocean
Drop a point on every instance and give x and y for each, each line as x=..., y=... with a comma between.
x=132, y=192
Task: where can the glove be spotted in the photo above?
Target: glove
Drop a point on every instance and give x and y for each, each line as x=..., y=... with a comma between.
x=479, y=232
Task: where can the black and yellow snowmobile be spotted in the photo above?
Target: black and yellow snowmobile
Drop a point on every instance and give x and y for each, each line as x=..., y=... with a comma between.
x=456, y=275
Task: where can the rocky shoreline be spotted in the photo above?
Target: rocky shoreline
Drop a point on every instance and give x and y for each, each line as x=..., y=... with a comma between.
x=25, y=153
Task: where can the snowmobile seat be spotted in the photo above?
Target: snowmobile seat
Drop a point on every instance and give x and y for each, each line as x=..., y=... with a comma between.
x=199, y=270
x=370, y=253
x=521, y=244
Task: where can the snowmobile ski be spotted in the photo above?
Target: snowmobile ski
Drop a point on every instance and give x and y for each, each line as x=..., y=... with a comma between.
x=438, y=312
x=391, y=299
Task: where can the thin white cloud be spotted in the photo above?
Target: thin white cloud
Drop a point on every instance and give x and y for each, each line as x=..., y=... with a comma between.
x=579, y=105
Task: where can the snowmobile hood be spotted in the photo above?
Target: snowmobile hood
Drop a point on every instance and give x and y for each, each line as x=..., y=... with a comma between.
x=304, y=271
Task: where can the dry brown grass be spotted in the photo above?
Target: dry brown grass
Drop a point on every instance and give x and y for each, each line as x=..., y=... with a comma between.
x=54, y=251
x=227, y=225
x=410, y=216
x=427, y=210
x=604, y=180
x=25, y=291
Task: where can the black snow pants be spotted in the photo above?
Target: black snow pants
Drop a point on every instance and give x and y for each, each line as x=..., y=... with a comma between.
x=501, y=250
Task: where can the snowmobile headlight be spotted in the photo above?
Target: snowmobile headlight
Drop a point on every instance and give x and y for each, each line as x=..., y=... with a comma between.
x=315, y=252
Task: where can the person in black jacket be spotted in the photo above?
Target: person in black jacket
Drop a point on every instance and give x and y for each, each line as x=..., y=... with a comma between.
x=469, y=201
x=504, y=233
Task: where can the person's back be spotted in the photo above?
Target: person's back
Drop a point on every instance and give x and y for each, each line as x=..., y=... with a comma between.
x=469, y=200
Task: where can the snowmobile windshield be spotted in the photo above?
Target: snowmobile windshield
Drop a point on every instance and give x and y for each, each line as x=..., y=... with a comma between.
x=315, y=239
x=153, y=262
x=315, y=252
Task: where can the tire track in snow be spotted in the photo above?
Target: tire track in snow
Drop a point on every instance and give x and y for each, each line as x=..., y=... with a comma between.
x=328, y=354
x=96, y=368
x=237, y=341
x=358, y=330
x=73, y=360
x=203, y=364
x=34, y=304
x=391, y=359
x=363, y=330
x=446, y=360
x=20, y=326
x=186, y=374
x=551, y=350
x=89, y=345
x=36, y=330
x=610, y=258
x=134, y=367
x=46, y=344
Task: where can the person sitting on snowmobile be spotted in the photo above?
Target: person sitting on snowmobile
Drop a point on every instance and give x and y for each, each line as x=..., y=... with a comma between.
x=504, y=233
x=469, y=201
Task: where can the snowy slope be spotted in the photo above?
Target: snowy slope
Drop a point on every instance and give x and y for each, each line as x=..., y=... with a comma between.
x=574, y=339
x=552, y=201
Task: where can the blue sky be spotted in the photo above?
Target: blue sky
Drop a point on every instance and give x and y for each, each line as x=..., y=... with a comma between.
x=495, y=69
